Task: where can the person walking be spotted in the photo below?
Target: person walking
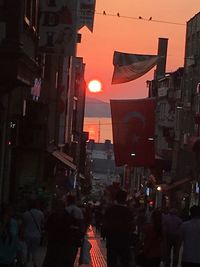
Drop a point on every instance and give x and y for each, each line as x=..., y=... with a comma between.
x=153, y=239
x=190, y=236
x=60, y=250
x=9, y=237
x=78, y=228
x=172, y=224
x=33, y=220
x=118, y=224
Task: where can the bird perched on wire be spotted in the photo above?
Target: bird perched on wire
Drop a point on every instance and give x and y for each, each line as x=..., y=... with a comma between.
x=118, y=14
x=140, y=17
x=150, y=18
x=104, y=12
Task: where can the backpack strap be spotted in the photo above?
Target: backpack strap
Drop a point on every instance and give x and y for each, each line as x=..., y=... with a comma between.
x=38, y=228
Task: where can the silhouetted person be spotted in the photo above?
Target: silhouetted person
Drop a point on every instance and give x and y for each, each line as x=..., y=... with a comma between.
x=9, y=236
x=78, y=227
x=33, y=220
x=118, y=228
x=172, y=223
x=190, y=235
x=60, y=249
x=153, y=240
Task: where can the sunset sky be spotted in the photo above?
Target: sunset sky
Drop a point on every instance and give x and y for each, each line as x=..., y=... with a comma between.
x=135, y=36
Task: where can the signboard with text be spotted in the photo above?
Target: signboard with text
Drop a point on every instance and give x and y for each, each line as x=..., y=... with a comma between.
x=58, y=28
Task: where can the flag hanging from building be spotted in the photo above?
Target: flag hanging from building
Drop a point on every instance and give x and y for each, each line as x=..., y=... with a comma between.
x=86, y=16
x=128, y=67
x=133, y=123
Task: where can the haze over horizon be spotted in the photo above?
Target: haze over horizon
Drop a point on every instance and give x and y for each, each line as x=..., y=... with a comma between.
x=96, y=108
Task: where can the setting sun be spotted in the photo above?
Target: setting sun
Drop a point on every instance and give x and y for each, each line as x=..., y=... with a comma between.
x=94, y=86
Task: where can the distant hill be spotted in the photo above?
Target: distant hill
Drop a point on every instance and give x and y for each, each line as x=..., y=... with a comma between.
x=96, y=108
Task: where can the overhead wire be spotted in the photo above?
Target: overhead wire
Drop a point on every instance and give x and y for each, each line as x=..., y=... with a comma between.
x=118, y=15
x=150, y=19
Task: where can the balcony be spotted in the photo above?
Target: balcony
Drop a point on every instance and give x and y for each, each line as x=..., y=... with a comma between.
x=17, y=69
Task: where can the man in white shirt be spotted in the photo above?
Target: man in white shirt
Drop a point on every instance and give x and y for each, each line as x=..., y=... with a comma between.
x=33, y=220
x=190, y=235
x=73, y=209
x=78, y=228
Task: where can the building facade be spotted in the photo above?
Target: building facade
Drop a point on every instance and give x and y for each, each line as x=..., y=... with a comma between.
x=42, y=91
x=19, y=68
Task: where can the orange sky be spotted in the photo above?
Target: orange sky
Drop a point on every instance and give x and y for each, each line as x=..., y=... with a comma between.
x=133, y=36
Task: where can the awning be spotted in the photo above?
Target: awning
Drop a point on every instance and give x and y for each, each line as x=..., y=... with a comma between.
x=82, y=176
x=64, y=158
x=162, y=163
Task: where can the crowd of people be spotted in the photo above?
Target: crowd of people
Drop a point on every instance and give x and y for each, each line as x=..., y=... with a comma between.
x=148, y=237
x=134, y=236
x=61, y=230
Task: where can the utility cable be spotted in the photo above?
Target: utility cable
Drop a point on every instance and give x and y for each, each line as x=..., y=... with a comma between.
x=150, y=19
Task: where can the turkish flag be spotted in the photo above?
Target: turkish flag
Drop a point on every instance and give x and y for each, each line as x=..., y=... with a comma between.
x=133, y=123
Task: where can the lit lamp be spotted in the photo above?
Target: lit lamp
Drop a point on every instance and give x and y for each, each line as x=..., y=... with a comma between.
x=179, y=107
x=158, y=196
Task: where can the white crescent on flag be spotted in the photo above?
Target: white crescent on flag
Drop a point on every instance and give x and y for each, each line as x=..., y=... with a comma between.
x=128, y=67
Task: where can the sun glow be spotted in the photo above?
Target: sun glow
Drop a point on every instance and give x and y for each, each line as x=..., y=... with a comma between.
x=95, y=86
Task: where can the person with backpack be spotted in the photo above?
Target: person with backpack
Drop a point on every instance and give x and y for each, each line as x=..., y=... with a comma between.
x=78, y=228
x=33, y=220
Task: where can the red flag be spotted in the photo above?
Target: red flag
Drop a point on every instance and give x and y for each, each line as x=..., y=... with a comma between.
x=133, y=123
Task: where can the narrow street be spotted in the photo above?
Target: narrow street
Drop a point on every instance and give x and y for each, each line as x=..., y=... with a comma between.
x=98, y=253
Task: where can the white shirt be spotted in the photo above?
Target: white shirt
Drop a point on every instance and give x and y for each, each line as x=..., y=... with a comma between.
x=190, y=233
x=75, y=211
x=33, y=226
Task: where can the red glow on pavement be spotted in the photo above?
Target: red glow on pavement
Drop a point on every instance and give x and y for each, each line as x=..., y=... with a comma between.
x=97, y=257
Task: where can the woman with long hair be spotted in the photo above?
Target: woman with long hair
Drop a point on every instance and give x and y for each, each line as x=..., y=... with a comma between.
x=153, y=240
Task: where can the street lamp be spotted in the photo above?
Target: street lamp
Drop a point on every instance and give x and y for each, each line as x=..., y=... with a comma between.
x=158, y=196
x=159, y=188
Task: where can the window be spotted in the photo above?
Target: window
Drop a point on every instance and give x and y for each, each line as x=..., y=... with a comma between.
x=51, y=3
x=162, y=111
x=31, y=13
x=34, y=13
x=28, y=12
